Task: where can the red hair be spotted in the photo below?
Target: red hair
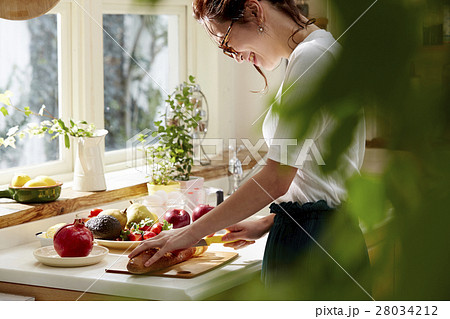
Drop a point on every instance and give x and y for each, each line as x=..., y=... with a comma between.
x=227, y=10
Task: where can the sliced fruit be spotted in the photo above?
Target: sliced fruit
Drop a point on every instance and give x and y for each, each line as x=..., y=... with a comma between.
x=19, y=180
x=47, y=180
x=35, y=183
x=95, y=212
x=51, y=231
x=135, y=236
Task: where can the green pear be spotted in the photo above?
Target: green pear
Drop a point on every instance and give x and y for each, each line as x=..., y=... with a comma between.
x=117, y=213
x=137, y=212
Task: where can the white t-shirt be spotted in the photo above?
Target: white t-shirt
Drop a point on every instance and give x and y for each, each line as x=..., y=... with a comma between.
x=307, y=64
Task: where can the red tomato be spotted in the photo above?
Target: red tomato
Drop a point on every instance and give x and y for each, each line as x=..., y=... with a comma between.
x=145, y=228
x=157, y=228
x=149, y=234
x=95, y=212
x=135, y=237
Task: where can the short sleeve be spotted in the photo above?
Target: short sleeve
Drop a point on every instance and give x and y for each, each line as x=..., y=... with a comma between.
x=303, y=75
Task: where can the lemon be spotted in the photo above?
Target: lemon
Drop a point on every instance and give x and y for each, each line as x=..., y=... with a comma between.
x=19, y=180
x=47, y=180
x=51, y=231
x=34, y=183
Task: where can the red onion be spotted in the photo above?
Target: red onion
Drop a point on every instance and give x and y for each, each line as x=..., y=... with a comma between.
x=73, y=240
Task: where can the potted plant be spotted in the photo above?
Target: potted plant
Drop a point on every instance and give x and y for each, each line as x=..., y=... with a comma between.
x=171, y=159
x=88, y=172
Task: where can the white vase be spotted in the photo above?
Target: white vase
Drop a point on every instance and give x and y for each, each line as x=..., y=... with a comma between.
x=89, y=173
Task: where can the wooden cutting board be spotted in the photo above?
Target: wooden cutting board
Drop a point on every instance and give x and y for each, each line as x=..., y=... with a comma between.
x=187, y=269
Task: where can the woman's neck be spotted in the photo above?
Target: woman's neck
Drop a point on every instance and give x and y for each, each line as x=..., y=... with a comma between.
x=284, y=30
x=299, y=37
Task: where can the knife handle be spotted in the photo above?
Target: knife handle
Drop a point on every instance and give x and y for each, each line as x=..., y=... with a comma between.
x=217, y=239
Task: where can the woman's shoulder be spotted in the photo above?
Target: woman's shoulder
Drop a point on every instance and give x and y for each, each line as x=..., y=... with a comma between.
x=316, y=44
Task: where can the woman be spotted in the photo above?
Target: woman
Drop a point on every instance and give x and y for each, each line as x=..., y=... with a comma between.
x=263, y=32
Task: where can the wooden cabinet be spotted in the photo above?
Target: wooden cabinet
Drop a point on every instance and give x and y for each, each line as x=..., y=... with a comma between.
x=53, y=294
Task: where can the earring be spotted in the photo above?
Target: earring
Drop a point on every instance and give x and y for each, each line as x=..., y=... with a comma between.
x=260, y=29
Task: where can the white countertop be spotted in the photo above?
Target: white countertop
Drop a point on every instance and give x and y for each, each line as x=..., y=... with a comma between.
x=18, y=265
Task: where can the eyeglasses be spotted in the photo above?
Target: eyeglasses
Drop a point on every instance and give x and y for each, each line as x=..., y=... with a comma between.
x=229, y=51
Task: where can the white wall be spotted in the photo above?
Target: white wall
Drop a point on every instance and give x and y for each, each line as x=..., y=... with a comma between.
x=228, y=85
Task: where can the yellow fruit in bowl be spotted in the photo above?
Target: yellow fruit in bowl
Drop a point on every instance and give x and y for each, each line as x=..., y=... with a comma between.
x=19, y=180
x=35, y=183
x=51, y=231
x=47, y=180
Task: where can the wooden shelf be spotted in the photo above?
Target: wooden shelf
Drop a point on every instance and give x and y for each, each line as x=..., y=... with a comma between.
x=71, y=201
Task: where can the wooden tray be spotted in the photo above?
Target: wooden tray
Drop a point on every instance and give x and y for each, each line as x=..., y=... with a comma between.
x=187, y=269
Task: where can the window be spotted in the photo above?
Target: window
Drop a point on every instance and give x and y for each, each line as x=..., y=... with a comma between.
x=109, y=62
x=29, y=68
x=136, y=73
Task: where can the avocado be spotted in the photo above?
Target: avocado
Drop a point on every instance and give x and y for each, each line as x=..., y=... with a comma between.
x=120, y=215
x=104, y=227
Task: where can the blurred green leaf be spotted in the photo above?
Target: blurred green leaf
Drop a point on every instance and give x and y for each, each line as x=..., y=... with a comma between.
x=367, y=199
x=4, y=111
x=67, y=140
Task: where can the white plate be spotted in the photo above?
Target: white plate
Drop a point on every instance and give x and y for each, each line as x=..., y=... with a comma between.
x=115, y=244
x=48, y=256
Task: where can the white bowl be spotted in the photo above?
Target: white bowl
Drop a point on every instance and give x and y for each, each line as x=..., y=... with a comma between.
x=44, y=240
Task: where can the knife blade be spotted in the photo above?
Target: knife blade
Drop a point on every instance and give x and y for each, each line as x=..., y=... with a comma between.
x=217, y=239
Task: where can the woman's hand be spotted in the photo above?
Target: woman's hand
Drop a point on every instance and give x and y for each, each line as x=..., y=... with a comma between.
x=247, y=232
x=169, y=240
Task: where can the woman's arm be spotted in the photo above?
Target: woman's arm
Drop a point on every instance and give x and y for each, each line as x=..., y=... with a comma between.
x=246, y=232
x=270, y=183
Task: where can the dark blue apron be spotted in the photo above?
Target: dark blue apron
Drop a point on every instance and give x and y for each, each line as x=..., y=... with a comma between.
x=316, y=252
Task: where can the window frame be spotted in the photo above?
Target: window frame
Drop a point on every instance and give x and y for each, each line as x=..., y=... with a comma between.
x=65, y=161
x=80, y=70
x=118, y=158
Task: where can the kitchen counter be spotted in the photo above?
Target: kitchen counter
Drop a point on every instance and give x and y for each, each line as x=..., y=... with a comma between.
x=19, y=266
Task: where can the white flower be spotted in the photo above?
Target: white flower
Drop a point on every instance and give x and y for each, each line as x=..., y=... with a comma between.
x=46, y=123
x=41, y=111
x=33, y=126
x=10, y=141
x=5, y=98
x=55, y=127
x=21, y=134
x=12, y=130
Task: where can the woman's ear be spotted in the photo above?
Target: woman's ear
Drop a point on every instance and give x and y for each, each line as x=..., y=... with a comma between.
x=253, y=11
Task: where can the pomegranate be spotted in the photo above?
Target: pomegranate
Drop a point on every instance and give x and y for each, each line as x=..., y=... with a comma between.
x=200, y=210
x=73, y=240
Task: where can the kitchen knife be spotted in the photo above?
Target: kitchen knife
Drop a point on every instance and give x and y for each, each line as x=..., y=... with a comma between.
x=212, y=240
